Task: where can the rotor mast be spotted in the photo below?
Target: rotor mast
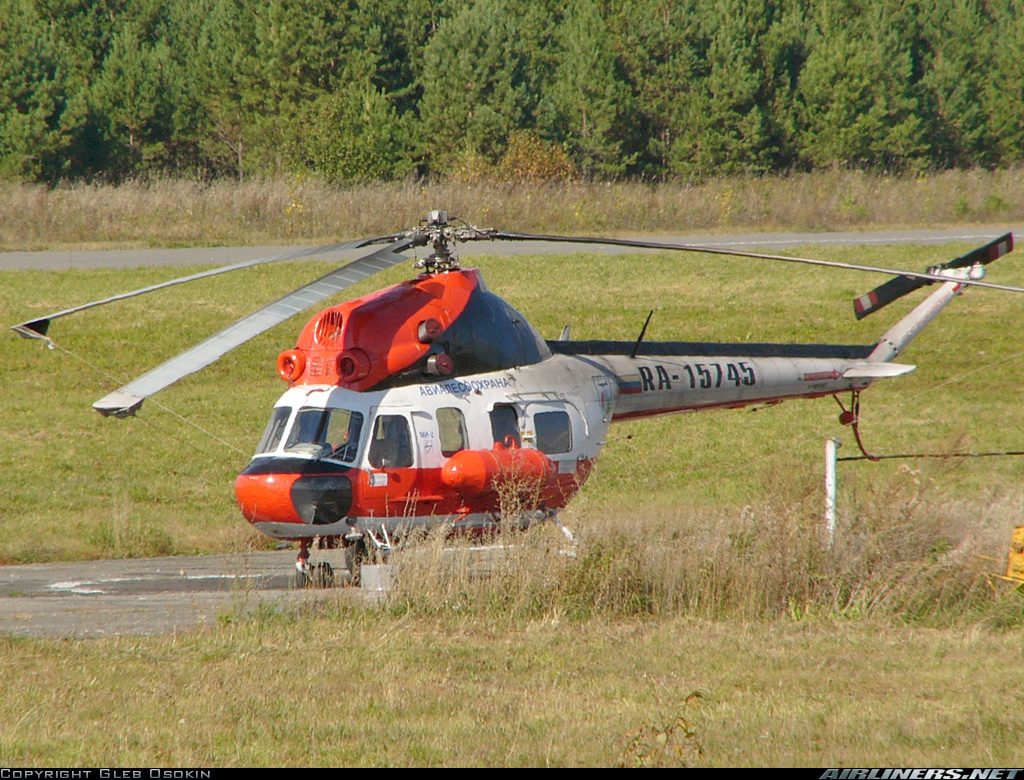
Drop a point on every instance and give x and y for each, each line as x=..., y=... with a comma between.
x=442, y=236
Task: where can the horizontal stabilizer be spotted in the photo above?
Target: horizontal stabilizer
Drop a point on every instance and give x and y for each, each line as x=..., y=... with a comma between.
x=899, y=286
x=876, y=370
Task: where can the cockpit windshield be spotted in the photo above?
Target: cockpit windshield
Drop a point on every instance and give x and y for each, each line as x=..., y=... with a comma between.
x=275, y=430
x=326, y=433
x=322, y=433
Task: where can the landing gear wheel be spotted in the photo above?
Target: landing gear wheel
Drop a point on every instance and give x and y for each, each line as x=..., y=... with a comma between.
x=319, y=575
x=322, y=576
x=354, y=555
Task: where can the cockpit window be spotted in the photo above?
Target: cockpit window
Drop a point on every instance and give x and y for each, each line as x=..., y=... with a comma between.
x=275, y=429
x=391, y=446
x=326, y=433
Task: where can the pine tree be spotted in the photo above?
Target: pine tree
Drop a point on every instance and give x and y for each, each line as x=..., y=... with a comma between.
x=955, y=71
x=1003, y=96
x=588, y=104
x=44, y=117
x=856, y=98
x=662, y=54
x=725, y=126
x=478, y=83
x=353, y=136
x=136, y=92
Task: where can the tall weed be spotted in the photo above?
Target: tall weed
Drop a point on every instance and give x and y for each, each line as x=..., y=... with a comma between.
x=297, y=210
x=899, y=553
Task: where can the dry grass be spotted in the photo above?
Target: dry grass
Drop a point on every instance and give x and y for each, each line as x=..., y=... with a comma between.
x=178, y=213
x=899, y=554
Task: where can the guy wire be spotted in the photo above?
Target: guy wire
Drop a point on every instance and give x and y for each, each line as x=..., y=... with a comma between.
x=54, y=345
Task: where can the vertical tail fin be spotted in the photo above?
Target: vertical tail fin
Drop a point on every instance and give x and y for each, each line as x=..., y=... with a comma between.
x=906, y=330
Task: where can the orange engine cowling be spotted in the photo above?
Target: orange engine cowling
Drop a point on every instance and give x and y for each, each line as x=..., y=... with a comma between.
x=476, y=472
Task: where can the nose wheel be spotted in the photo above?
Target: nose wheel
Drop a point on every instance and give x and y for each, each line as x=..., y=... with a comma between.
x=315, y=575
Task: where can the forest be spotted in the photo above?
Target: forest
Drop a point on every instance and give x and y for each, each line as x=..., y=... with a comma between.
x=505, y=90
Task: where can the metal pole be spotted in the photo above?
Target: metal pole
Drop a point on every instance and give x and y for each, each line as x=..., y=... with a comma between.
x=831, y=447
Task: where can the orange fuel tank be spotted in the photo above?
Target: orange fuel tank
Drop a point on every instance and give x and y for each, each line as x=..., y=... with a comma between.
x=476, y=472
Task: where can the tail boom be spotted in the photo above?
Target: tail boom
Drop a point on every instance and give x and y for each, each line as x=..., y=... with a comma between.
x=729, y=376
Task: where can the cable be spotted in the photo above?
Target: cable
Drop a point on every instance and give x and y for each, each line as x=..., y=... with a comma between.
x=940, y=456
x=794, y=446
x=51, y=344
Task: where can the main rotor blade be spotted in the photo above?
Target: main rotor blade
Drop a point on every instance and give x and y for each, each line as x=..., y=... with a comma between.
x=711, y=250
x=38, y=328
x=129, y=398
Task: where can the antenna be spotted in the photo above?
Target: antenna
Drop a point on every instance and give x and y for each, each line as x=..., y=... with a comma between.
x=643, y=332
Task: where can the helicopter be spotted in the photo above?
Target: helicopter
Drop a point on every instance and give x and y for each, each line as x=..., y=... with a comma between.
x=434, y=403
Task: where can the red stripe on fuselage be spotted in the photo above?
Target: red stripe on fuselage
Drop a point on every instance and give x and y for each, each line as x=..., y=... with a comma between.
x=409, y=492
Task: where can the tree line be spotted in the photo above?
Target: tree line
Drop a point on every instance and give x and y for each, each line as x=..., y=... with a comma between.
x=355, y=91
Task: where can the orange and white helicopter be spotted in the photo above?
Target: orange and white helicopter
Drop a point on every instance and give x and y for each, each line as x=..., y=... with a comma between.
x=418, y=405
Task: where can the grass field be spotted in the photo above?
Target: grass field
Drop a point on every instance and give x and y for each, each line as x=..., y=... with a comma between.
x=700, y=623
x=87, y=486
x=337, y=687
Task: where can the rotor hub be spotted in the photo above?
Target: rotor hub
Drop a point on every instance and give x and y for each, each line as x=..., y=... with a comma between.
x=442, y=236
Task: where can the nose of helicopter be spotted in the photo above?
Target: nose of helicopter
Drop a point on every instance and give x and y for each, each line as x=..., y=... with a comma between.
x=294, y=493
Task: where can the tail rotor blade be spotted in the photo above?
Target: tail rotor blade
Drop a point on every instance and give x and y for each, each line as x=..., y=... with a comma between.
x=899, y=286
x=885, y=294
x=984, y=255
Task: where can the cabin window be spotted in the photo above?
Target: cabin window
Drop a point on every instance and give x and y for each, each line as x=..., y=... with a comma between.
x=326, y=433
x=554, y=434
x=451, y=425
x=275, y=430
x=505, y=424
x=391, y=447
